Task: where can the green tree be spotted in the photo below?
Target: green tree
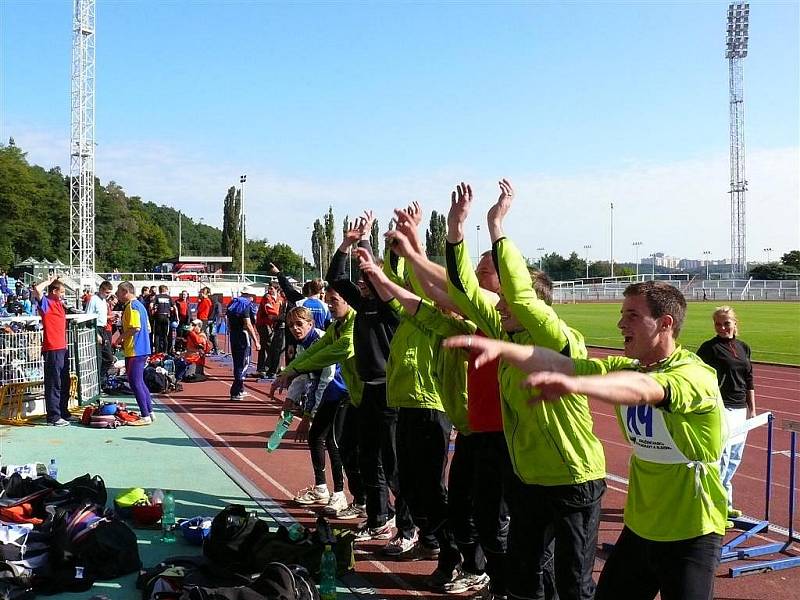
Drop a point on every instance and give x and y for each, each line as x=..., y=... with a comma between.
x=330, y=237
x=375, y=238
x=436, y=235
x=792, y=260
x=771, y=270
x=230, y=222
x=318, y=246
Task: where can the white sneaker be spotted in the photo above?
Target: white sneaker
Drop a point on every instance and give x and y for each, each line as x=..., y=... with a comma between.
x=313, y=495
x=336, y=503
x=400, y=545
x=364, y=533
x=353, y=511
x=466, y=582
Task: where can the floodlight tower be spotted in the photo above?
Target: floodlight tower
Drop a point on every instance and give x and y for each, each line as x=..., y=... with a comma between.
x=81, y=167
x=736, y=50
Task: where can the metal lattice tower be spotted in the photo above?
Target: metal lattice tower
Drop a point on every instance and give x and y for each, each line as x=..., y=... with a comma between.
x=81, y=171
x=736, y=50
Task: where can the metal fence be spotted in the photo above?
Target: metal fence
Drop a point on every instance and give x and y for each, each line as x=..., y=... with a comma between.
x=22, y=366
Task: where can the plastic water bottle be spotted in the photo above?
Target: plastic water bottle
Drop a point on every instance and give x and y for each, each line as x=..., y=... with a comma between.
x=327, y=575
x=168, y=518
x=280, y=430
x=52, y=469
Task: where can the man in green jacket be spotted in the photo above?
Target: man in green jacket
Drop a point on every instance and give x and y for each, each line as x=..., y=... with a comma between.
x=557, y=459
x=670, y=411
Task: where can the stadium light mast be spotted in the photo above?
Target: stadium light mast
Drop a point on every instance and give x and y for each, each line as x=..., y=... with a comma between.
x=735, y=51
x=541, y=256
x=81, y=148
x=612, y=239
x=707, y=254
x=636, y=249
x=769, y=255
x=587, y=247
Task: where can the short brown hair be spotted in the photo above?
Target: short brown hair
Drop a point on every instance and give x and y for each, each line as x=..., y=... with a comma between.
x=314, y=287
x=54, y=285
x=106, y=286
x=127, y=286
x=662, y=299
x=542, y=285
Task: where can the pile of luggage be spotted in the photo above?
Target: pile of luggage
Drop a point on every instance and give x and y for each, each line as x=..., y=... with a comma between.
x=60, y=537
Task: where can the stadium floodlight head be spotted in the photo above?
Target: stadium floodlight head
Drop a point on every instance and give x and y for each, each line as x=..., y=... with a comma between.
x=737, y=34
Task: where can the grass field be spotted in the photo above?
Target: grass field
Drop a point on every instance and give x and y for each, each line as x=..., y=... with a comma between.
x=772, y=329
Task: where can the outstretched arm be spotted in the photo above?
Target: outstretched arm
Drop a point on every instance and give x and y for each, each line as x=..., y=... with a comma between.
x=553, y=374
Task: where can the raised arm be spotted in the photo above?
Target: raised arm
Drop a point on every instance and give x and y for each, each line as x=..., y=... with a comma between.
x=292, y=295
x=535, y=315
x=462, y=283
x=385, y=287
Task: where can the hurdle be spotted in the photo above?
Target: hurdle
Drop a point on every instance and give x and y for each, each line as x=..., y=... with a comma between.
x=751, y=528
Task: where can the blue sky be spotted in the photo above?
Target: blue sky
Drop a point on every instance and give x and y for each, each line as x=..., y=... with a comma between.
x=365, y=105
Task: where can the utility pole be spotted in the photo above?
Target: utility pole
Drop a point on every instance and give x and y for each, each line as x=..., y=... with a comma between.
x=242, y=180
x=636, y=248
x=612, y=239
x=587, y=247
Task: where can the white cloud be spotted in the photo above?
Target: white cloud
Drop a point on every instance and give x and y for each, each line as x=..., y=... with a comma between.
x=680, y=208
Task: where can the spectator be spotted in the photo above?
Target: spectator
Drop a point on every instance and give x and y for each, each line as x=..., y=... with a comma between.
x=135, y=342
x=204, y=307
x=54, y=350
x=85, y=297
x=184, y=313
x=216, y=318
x=241, y=313
x=162, y=309
x=266, y=320
x=197, y=346
x=730, y=358
x=97, y=306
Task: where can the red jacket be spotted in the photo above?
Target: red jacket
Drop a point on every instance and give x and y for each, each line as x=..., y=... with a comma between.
x=268, y=311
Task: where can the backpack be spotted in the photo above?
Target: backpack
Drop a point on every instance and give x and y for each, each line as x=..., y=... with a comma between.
x=278, y=581
x=156, y=381
x=108, y=549
x=233, y=538
x=244, y=544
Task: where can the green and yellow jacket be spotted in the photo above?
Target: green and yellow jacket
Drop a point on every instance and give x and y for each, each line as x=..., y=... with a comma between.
x=550, y=443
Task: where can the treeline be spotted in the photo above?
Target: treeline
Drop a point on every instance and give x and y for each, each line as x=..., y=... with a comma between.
x=130, y=234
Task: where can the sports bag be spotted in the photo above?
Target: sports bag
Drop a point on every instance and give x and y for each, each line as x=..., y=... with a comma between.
x=279, y=581
x=104, y=421
x=234, y=537
x=156, y=380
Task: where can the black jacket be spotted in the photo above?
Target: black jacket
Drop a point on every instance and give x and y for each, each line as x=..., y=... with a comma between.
x=374, y=325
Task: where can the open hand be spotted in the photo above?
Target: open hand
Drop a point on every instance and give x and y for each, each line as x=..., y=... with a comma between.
x=399, y=242
x=460, y=203
x=500, y=209
x=487, y=350
x=273, y=269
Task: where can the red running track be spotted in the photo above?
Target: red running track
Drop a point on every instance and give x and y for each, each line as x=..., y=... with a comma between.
x=238, y=431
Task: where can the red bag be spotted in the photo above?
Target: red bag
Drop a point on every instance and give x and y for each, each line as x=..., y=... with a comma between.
x=86, y=417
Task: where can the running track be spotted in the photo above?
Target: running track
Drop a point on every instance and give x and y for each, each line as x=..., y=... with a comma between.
x=236, y=433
